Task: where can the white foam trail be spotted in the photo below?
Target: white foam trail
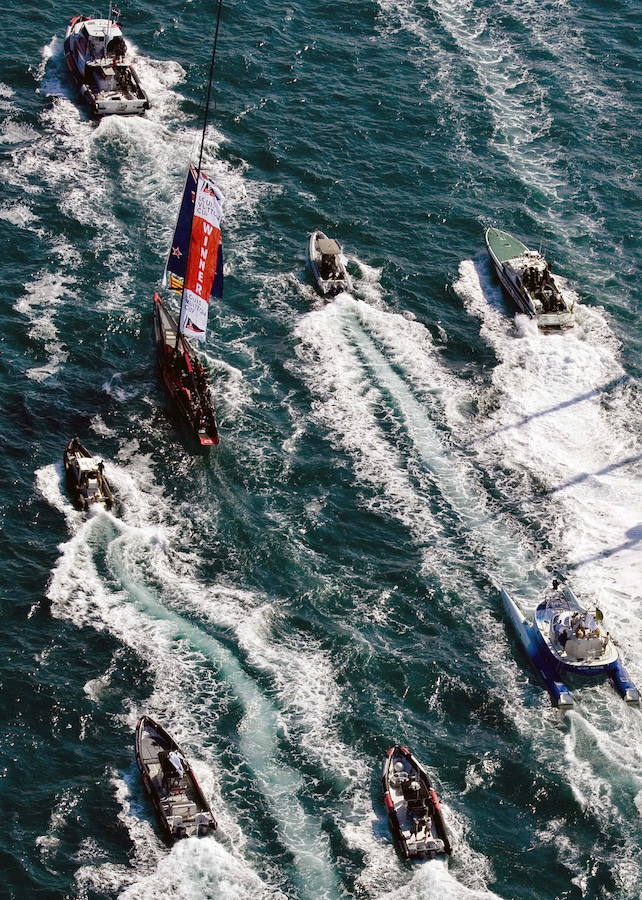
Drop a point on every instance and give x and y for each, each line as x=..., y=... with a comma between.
x=555, y=28
x=333, y=346
x=353, y=324
x=433, y=880
x=39, y=304
x=516, y=103
x=559, y=416
x=178, y=649
x=18, y=214
x=6, y=93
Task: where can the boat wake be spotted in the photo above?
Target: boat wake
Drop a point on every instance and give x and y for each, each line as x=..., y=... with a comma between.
x=378, y=391
x=561, y=432
x=117, y=575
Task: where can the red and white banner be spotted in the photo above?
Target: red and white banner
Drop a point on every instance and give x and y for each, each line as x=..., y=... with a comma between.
x=204, y=252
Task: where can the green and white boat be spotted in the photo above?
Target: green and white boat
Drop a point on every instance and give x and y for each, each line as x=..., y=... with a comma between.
x=528, y=280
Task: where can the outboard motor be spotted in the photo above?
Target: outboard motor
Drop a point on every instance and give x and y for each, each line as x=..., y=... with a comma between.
x=176, y=826
x=202, y=822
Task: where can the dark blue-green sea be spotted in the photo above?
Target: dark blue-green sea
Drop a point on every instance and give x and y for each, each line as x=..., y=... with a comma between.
x=325, y=583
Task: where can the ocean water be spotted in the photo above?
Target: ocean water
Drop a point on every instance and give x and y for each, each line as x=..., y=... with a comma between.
x=325, y=583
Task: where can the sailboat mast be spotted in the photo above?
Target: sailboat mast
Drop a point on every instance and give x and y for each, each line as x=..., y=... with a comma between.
x=200, y=157
x=108, y=29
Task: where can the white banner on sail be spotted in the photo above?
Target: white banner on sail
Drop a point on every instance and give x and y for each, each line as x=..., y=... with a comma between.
x=193, y=322
x=209, y=202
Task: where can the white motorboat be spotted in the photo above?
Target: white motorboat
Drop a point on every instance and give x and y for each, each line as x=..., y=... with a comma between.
x=96, y=54
x=529, y=282
x=328, y=265
x=567, y=638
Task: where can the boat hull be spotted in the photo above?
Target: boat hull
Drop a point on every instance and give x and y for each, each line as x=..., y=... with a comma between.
x=559, y=693
x=178, y=800
x=189, y=393
x=546, y=321
x=419, y=832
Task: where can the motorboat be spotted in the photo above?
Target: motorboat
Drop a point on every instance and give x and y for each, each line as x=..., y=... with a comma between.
x=415, y=817
x=169, y=780
x=528, y=280
x=96, y=54
x=567, y=638
x=183, y=376
x=86, y=477
x=328, y=265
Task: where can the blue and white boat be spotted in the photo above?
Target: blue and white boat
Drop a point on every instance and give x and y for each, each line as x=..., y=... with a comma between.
x=568, y=639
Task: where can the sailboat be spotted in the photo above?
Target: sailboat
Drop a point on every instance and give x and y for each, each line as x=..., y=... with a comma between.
x=194, y=269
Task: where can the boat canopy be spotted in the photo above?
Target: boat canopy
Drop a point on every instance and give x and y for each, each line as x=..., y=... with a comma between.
x=100, y=28
x=328, y=247
x=86, y=463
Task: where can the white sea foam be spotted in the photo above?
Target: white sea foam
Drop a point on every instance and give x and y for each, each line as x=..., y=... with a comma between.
x=555, y=28
x=340, y=348
x=49, y=842
x=559, y=417
x=18, y=214
x=352, y=352
x=39, y=305
x=516, y=103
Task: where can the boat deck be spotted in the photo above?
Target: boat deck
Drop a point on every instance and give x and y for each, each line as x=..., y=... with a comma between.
x=504, y=245
x=180, y=799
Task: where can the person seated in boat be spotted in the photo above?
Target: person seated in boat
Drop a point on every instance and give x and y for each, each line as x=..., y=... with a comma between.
x=200, y=376
x=412, y=793
x=399, y=776
x=116, y=48
x=327, y=267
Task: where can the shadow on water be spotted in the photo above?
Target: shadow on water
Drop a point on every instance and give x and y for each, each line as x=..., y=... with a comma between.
x=627, y=461
x=635, y=537
x=609, y=386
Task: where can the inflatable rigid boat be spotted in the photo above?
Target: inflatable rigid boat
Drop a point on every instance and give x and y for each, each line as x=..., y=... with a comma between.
x=327, y=265
x=179, y=802
x=415, y=818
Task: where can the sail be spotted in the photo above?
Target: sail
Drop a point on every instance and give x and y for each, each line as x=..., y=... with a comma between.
x=204, y=276
x=174, y=275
